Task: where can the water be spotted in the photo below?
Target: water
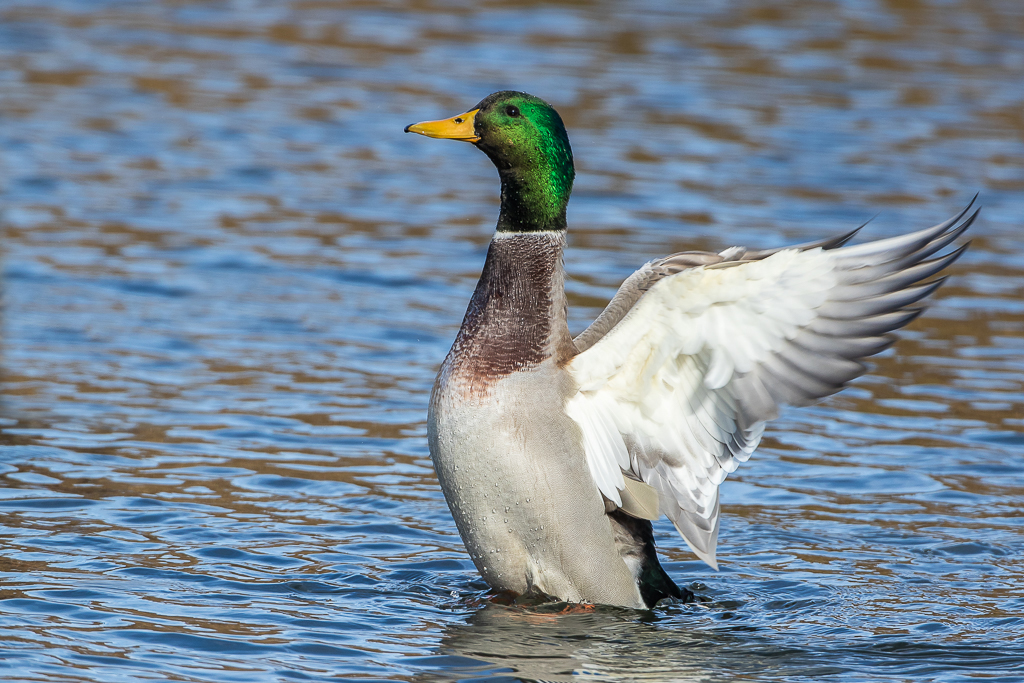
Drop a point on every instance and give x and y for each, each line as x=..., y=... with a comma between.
x=229, y=279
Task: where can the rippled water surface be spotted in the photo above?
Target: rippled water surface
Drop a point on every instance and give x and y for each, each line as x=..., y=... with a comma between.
x=229, y=279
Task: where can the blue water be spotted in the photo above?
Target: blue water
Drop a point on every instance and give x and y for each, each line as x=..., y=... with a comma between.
x=229, y=278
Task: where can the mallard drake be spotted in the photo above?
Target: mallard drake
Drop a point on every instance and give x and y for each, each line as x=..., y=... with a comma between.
x=555, y=453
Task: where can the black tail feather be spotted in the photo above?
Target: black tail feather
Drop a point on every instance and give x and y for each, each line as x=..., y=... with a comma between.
x=635, y=539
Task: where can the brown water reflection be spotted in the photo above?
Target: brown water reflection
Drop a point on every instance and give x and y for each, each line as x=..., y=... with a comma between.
x=229, y=279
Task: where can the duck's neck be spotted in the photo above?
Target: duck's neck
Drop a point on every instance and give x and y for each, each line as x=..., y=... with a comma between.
x=532, y=201
x=517, y=316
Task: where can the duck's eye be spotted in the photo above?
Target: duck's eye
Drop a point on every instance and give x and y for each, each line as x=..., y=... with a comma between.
x=512, y=110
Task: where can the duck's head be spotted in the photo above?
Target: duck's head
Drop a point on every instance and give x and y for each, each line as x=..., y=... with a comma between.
x=525, y=138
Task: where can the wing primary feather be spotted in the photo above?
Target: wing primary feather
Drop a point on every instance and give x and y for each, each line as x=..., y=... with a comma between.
x=827, y=244
x=901, y=245
x=827, y=368
x=846, y=347
x=863, y=308
x=806, y=386
x=863, y=327
x=856, y=273
x=935, y=245
x=868, y=287
x=781, y=392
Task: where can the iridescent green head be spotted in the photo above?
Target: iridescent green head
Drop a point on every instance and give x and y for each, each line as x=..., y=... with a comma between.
x=525, y=138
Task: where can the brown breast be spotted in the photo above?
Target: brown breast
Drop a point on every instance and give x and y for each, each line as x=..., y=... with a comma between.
x=516, y=318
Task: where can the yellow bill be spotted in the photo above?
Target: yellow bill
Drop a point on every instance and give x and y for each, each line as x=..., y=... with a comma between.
x=459, y=127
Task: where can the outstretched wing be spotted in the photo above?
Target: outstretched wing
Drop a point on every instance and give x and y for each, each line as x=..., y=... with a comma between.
x=680, y=376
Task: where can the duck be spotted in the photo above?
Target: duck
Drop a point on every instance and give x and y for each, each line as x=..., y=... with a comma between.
x=557, y=453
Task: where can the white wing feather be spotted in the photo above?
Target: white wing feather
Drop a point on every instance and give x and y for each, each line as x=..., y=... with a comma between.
x=678, y=390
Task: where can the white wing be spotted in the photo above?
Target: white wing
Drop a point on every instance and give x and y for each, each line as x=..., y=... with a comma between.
x=675, y=391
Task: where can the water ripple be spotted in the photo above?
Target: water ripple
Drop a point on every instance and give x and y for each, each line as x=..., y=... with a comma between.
x=229, y=278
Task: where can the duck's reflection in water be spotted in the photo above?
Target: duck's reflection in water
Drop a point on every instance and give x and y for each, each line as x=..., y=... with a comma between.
x=557, y=643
